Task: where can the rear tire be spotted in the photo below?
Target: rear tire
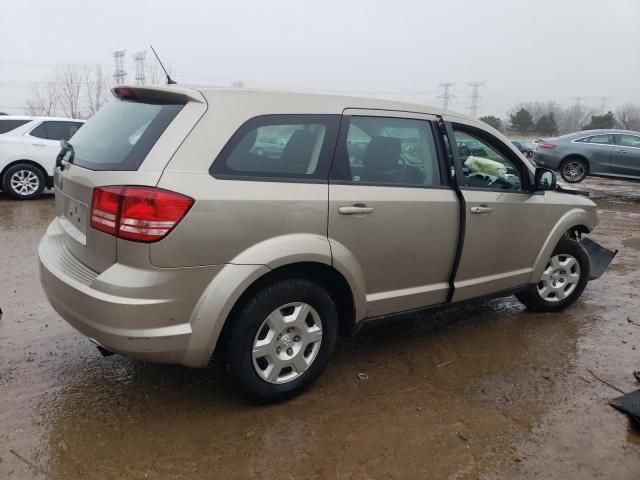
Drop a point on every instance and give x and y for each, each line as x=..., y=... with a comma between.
x=281, y=339
x=557, y=290
x=23, y=181
x=574, y=170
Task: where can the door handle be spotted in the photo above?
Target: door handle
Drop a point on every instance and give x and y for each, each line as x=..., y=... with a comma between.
x=482, y=209
x=356, y=209
x=621, y=151
x=39, y=144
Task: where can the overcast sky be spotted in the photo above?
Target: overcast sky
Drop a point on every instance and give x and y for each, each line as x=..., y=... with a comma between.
x=525, y=49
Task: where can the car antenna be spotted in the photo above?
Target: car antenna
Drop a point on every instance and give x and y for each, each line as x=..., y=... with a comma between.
x=170, y=81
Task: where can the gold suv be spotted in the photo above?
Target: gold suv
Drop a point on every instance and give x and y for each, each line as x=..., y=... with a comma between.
x=179, y=234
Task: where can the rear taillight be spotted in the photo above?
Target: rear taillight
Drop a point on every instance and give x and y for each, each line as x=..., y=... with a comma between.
x=548, y=146
x=142, y=214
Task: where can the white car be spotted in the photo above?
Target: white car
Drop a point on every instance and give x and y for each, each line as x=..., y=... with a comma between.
x=28, y=150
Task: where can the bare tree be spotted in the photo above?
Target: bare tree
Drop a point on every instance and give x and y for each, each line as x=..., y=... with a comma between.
x=628, y=116
x=95, y=89
x=574, y=117
x=44, y=100
x=69, y=81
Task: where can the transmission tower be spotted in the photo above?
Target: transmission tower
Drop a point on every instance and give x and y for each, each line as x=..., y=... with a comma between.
x=578, y=100
x=139, y=61
x=119, y=74
x=475, y=97
x=447, y=94
x=603, y=104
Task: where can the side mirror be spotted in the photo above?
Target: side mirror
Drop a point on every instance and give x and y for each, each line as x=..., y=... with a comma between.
x=545, y=179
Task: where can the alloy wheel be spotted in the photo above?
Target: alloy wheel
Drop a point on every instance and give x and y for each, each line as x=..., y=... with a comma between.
x=574, y=171
x=24, y=182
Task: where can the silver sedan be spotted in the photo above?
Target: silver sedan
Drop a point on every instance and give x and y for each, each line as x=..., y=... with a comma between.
x=607, y=153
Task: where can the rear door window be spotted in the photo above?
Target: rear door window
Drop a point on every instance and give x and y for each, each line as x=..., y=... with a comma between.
x=9, y=125
x=388, y=151
x=601, y=139
x=121, y=134
x=280, y=146
x=628, y=141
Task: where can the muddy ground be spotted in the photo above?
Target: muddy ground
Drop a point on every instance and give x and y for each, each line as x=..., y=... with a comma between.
x=480, y=391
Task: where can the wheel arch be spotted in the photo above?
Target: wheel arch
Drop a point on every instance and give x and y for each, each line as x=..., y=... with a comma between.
x=573, y=223
x=28, y=162
x=327, y=276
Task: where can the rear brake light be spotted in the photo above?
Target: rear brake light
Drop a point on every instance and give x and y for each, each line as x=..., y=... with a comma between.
x=142, y=214
x=546, y=145
x=124, y=93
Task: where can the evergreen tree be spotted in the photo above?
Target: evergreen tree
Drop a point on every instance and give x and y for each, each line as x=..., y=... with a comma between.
x=546, y=125
x=601, y=121
x=492, y=121
x=522, y=121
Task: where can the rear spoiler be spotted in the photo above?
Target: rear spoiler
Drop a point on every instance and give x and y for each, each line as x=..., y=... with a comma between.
x=177, y=94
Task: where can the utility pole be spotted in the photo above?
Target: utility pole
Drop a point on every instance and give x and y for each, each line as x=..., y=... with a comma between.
x=447, y=94
x=119, y=74
x=139, y=61
x=475, y=97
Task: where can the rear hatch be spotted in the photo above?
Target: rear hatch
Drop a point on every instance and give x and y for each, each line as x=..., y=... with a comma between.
x=128, y=142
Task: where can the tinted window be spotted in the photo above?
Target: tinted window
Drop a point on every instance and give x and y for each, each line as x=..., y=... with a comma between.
x=40, y=131
x=289, y=146
x=8, y=125
x=121, y=134
x=483, y=163
x=628, y=141
x=602, y=139
x=61, y=130
x=390, y=151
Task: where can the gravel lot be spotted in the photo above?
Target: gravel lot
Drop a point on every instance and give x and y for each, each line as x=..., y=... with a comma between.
x=479, y=391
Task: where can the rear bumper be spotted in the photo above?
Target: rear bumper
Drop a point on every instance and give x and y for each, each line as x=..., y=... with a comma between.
x=546, y=160
x=141, y=313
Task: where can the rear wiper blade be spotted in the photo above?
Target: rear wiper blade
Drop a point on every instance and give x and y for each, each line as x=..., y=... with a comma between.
x=66, y=147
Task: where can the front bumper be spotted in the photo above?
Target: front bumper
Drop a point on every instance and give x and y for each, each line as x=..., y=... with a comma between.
x=600, y=257
x=142, y=313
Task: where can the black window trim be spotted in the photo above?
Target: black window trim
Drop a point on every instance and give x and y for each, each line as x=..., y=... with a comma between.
x=338, y=174
x=21, y=123
x=43, y=123
x=37, y=125
x=526, y=181
x=219, y=169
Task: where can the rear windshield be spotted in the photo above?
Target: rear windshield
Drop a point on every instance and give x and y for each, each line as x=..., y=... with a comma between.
x=121, y=134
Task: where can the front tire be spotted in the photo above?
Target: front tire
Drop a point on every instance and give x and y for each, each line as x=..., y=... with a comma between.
x=281, y=339
x=563, y=280
x=574, y=170
x=23, y=181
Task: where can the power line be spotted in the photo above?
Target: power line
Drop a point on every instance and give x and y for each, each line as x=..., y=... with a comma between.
x=475, y=97
x=447, y=94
